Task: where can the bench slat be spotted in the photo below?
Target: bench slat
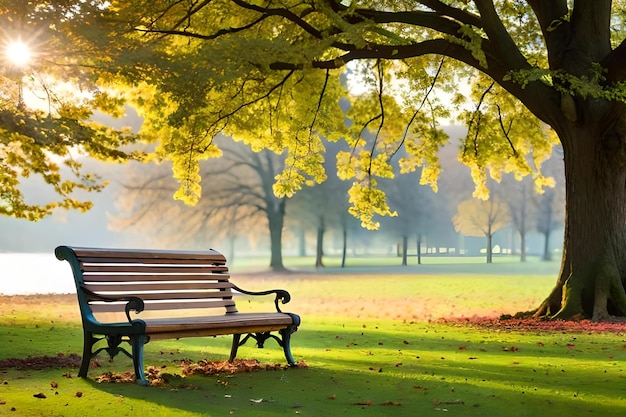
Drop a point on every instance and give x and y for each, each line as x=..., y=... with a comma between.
x=166, y=296
x=103, y=287
x=121, y=255
x=115, y=307
x=91, y=277
x=146, y=269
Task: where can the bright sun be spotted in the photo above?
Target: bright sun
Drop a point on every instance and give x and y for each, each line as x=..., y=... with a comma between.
x=18, y=53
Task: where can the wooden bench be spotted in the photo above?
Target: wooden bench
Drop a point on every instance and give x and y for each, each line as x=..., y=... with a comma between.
x=179, y=294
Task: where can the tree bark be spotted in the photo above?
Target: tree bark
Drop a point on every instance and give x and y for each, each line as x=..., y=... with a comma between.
x=522, y=237
x=276, y=219
x=419, y=249
x=489, y=250
x=319, y=251
x=344, y=249
x=405, y=248
x=593, y=271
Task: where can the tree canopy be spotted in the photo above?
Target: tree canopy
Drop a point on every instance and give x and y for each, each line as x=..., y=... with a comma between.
x=270, y=75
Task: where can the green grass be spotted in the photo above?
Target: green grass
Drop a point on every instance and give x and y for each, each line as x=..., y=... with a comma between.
x=370, y=350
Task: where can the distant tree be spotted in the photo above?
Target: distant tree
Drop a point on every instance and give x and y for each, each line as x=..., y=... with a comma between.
x=482, y=218
x=322, y=207
x=550, y=205
x=241, y=201
x=519, y=196
x=415, y=208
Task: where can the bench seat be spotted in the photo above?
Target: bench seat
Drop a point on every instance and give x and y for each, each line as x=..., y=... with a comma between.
x=216, y=325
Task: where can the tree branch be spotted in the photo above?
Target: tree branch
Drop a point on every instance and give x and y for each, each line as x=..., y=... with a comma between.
x=453, y=12
x=219, y=33
x=615, y=64
x=478, y=120
x=502, y=43
x=506, y=131
x=282, y=12
x=431, y=20
x=225, y=116
x=381, y=105
x=430, y=89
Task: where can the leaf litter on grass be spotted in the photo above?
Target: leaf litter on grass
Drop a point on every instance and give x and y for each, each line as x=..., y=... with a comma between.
x=157, y=377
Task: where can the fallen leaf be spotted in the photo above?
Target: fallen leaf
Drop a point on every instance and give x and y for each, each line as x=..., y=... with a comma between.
x=366, y=403
x=78, y=394
x=40, y=395
x=54, y=385
x=332, y=397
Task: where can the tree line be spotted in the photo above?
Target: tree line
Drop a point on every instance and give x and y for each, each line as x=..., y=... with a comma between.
x=241, y=208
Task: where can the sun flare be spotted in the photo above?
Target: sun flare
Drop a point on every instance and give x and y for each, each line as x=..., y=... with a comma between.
x=18, y=53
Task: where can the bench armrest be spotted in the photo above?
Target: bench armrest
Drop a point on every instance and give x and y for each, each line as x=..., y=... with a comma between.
x=281, y=295
x=133, y=303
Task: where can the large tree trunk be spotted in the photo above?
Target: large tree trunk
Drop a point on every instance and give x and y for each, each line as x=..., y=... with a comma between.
x=593, y=271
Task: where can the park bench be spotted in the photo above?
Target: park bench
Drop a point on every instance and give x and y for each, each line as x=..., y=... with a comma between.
x=179, y=294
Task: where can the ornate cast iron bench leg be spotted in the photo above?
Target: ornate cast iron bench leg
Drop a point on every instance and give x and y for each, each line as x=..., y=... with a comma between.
x=286, y=343
x=137, y=342
x=88, y=342
x=235, y=347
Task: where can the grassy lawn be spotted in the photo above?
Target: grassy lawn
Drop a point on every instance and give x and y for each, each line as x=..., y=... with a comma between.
x=374, y=346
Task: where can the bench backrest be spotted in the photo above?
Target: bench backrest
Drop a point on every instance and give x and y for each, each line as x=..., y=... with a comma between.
x=165, y=280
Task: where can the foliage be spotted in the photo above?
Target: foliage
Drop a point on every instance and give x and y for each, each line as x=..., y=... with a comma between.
x=272, y=73
x=241, y=198
x=46, y=110
x=281, y=88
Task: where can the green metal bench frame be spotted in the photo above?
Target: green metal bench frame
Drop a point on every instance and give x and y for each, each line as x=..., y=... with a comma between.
x=129, y=282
